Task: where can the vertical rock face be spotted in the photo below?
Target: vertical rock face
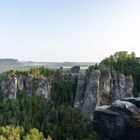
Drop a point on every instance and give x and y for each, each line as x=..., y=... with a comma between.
x=121, y=87
x=75, y=69
x=129, y=86
x=87, y=91
x=28, y=84
x=101, y=88
x=59, y=73
x=20, y=82
x=91, y=92
x=80, y=96
x=43, y=87
x=104, y=86
x=11, y=85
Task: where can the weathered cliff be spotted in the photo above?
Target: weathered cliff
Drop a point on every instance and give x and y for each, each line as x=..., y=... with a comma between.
x=12, y=85
x=101, y=87
x=87, y=92
x=119, y=121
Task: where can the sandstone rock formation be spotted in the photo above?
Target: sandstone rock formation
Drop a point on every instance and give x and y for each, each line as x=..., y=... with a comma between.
x=101, y=87
x=87, y=92
x=11, y=85
x=75, y=69
x=119, y=121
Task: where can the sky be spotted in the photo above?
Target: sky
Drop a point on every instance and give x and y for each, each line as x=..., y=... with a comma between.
x=68, y=30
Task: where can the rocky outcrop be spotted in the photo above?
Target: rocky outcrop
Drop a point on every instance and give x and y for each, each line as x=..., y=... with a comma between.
x=75, y=69
x=119, y=121
x=121, y=86
x=105, y=87
x=12, y=85
x=87, y=91
x=101, y=87
x=80, y=94
x=43, y=87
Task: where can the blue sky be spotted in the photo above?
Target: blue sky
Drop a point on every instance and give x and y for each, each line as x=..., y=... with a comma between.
x=68, y=30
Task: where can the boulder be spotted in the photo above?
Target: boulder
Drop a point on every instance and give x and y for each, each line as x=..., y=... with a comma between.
x=117, y=122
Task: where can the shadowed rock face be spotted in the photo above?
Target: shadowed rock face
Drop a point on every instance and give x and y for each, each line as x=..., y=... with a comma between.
x=79, y=100
x=91, y=92
x=11, y=85
x=87, y=92
x=121, y=86
x=119, y=121
x=101, y=87
x=75, y=69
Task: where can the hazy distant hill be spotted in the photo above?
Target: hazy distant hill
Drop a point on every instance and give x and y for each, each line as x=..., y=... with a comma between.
x=8, y=63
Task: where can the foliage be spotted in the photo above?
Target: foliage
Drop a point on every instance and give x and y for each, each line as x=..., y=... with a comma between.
x=121, y=62
x=11, y=72
x=63, y=92
x=34, y=134
x=18, y=133
x=58, y=119
x=42, y=71
x=35, y=71
x=125, y=63
x=93, y=67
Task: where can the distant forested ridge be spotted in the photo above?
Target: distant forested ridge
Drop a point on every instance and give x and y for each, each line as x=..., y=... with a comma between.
x=9, y=60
